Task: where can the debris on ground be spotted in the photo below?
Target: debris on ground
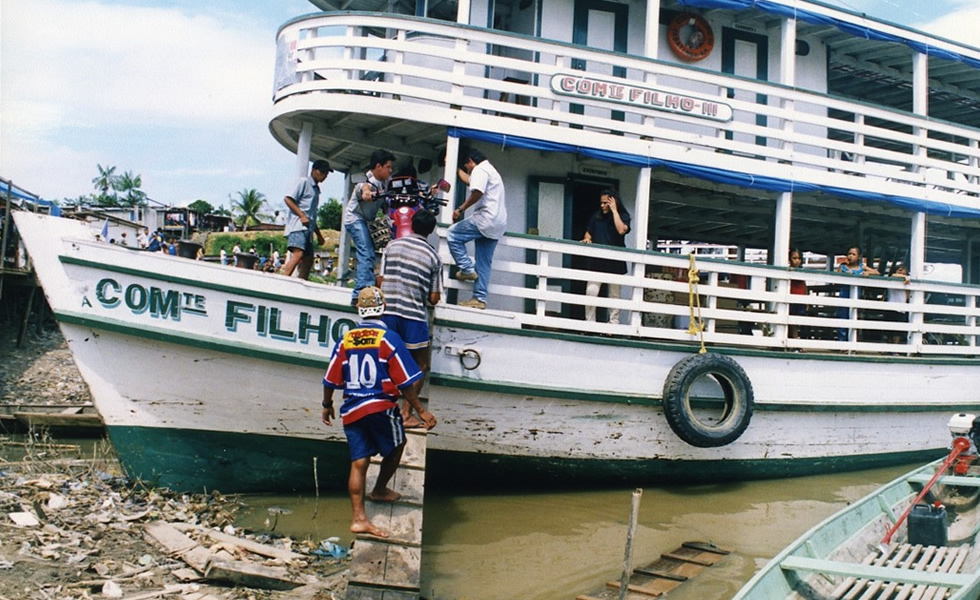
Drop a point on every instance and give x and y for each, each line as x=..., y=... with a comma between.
x=73, y=527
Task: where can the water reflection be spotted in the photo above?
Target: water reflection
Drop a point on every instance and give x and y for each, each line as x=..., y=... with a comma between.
x=543, y=546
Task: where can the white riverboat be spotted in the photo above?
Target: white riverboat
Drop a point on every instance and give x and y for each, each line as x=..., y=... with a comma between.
x=732, y=123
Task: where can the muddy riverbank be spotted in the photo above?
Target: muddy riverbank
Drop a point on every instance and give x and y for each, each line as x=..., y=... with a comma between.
x=73, y=527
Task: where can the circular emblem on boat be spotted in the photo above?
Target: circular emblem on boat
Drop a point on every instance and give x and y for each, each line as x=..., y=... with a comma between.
x=708, y=400
x=690, y=37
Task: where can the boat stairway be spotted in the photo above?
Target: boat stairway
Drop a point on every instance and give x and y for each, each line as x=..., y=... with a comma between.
x=904, y=571
x=389, y=568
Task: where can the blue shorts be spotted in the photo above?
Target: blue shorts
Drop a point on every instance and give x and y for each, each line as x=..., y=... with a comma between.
x=301, y=240
x=377, y=433
x=415, y=334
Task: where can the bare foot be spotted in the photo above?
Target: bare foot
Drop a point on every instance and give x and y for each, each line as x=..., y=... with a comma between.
x=413, y=422
x=367, y=527
x=387, y=495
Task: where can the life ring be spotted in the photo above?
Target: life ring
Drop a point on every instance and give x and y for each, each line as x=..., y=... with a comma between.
x=694, y=45
x=708, y=425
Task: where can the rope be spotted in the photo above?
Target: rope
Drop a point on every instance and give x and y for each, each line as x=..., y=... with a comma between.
x=696, y=324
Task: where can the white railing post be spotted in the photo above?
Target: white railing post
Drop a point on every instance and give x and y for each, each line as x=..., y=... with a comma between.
x=640, y=230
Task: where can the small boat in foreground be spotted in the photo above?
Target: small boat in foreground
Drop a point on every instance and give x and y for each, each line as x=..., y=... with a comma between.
x=915, y=537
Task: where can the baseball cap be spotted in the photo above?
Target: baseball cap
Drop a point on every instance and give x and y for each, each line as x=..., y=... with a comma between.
x=370, y=302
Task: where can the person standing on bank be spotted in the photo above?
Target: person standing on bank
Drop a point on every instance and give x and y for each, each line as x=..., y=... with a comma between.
x=411, y=279
x=362, y=208
x=483, y=227
x=371, y=364
x=607, y=226
x=301, y=226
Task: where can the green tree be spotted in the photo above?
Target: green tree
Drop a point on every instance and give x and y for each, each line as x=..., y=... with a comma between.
x=328, y=216
x=248, y=208
x=130, y=185
x=106, y=180
x=201, y=206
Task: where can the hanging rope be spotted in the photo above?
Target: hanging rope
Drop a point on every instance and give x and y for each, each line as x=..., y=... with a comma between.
x=696, y=325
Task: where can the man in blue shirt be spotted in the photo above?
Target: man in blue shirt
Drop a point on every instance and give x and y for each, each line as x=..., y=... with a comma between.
x=301, y=226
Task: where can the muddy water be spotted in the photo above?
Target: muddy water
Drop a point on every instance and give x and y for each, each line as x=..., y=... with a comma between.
x=548, y=546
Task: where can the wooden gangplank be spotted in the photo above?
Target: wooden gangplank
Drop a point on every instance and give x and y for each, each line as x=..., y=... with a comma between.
x=664, y=574
x=390, y=568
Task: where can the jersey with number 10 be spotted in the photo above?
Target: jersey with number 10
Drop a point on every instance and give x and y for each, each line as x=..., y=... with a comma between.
x=371, y=364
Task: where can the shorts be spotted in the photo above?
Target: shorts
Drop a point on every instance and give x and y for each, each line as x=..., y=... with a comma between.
x=377, y=433
x=415, y=334
x=301, y=240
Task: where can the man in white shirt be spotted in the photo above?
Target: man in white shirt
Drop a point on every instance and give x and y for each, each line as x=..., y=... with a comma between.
x=485, y=225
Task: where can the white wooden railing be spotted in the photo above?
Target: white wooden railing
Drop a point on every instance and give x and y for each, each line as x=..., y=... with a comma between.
x=471, y=77
x=528, y=279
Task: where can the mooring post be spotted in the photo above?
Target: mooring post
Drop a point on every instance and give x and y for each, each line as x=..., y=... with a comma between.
x=624, y=580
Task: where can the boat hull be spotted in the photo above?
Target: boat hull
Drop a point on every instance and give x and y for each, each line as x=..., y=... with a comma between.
x=209, y=377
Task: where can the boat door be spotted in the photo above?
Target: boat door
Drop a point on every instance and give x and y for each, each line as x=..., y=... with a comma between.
x=602, y=25
x=560, y=209
x=746, y=54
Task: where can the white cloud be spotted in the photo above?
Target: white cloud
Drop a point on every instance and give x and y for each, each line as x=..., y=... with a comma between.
x=959, y=25
x=82, y=64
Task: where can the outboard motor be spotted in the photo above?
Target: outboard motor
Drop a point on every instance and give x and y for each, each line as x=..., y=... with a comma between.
x=967, y=426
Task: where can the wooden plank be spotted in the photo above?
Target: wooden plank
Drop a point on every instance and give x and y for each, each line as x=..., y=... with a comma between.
x=379, y=563
x=37, y=419
x=178, y=544
x=661, y=574
x=389, y=568
x=799, y=563
x=706, y=547
x=249, y=545
x=249, y=574
x=705, y=559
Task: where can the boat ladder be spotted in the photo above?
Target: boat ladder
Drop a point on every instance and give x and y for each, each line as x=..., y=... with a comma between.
x=390, y=568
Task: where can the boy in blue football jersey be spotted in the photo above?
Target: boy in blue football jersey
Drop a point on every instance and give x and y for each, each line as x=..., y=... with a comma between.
x=371, y=365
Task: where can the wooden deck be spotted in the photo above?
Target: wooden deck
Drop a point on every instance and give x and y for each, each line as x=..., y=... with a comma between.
x=666, y=573
x=389, y=569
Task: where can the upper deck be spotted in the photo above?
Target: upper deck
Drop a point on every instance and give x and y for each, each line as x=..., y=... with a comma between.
x=810, y=100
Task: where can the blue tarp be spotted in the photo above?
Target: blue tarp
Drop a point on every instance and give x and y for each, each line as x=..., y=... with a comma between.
x=817, y=19
x=772, y=184
x=22, y=195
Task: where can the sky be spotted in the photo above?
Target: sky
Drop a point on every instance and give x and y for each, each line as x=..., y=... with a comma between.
x=179, y=91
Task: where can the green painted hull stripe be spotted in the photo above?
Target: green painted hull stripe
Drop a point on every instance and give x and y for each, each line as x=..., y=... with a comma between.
x=453, y=381
x=70, y=260
x=694, y=347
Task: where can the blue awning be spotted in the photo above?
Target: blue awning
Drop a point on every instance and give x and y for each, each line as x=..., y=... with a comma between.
x=23, y=195
x=760, y=182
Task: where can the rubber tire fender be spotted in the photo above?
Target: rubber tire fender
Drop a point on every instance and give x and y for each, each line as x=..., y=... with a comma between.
x=736, y=387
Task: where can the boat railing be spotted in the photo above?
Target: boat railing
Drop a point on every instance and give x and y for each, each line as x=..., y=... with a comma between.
x=520, y=85
x=539, y=282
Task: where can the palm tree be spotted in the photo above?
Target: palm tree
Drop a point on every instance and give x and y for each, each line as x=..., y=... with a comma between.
x=248, y=205
x=107, y=180
x=130, y=185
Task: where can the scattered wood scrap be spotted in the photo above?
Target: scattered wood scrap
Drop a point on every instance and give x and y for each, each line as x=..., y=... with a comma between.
x=671, y=570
